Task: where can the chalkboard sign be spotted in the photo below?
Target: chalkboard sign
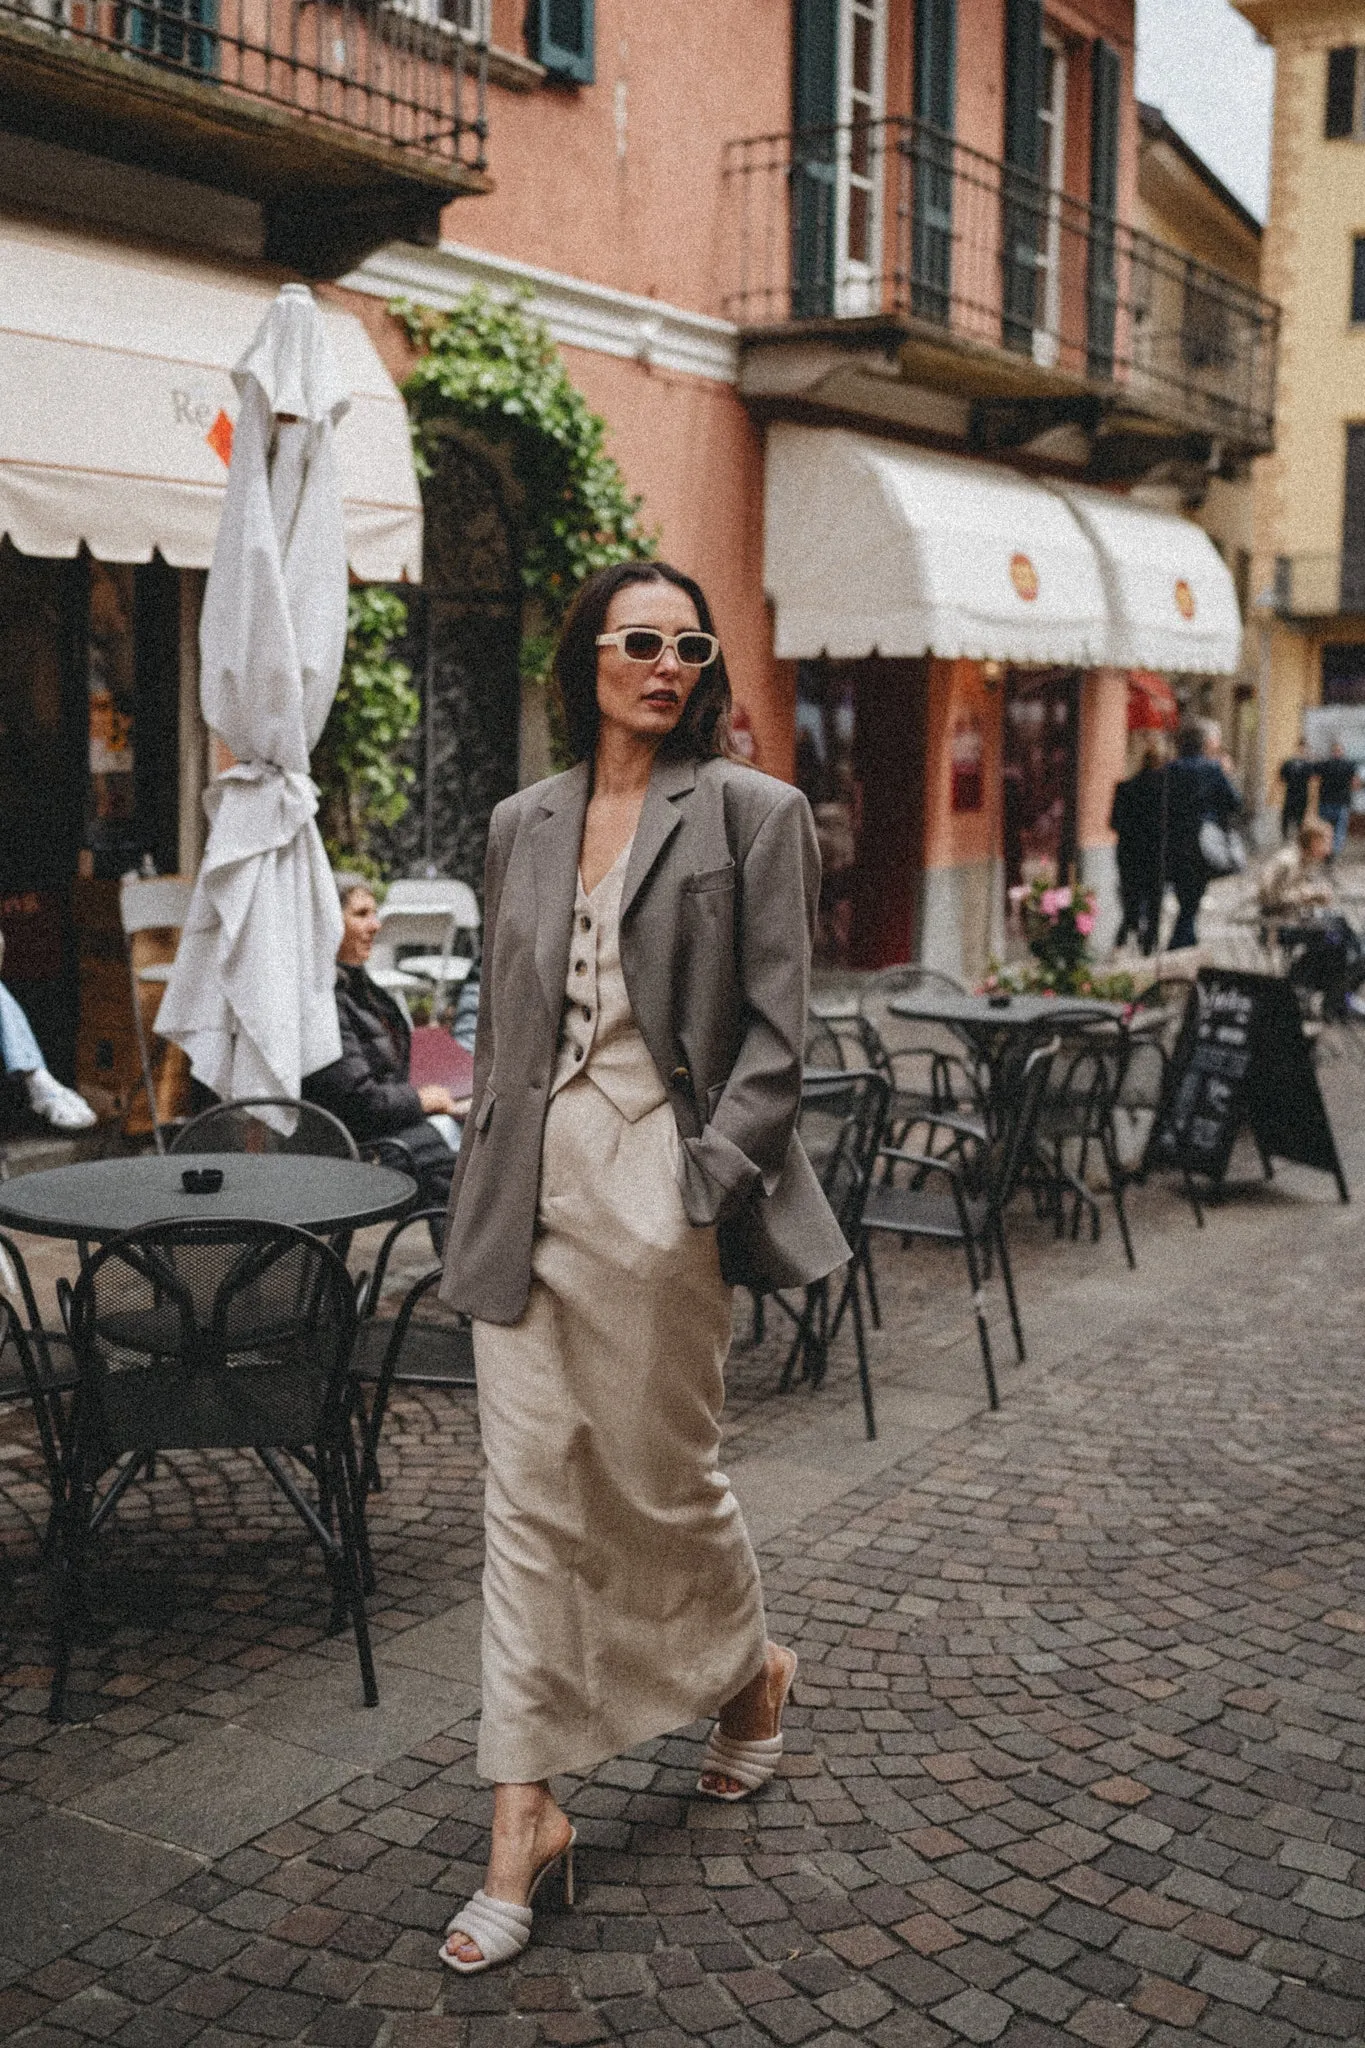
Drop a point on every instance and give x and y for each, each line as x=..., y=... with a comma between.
x=1242, y=1062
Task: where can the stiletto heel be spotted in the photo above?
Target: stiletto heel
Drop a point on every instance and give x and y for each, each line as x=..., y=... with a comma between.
x=568, y=1876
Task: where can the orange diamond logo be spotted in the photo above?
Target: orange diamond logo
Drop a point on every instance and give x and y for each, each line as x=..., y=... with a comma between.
x=219, y=438
x=1024, y=577
x=1184, y=599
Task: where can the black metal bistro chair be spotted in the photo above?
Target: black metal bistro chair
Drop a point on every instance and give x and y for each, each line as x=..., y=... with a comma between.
x=236, y=1127
x=418, y=1344
x=38, y=1368
x=1077, y=1119
x=961, y=1199
x=214, y=1336
x=929, y=1066
x=843, y=1115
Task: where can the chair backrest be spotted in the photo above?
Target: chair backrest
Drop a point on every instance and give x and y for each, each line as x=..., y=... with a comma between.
x=1163, y=1003
x=199, y=1336
x=234, y=1127
x=907, y=1035
x=857, y=1103
x=153, y=905
x=1019, y=1107
x=424, y=914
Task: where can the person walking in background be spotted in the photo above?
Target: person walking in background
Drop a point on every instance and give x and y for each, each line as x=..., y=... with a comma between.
x=1338, y=780
x=632, y=1150
x=21, y=1054
x=1135, y=820
x=1296, y=773
x=1198, y=793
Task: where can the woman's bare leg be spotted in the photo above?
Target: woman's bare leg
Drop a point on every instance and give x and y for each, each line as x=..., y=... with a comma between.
x=753, y=1714
x=528, y=1830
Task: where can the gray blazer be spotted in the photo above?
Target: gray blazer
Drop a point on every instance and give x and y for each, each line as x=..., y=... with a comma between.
x=717, y=913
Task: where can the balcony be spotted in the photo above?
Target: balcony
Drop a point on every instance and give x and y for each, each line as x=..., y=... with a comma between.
x=952, y=272
x=350, y=122
x=1310, y=589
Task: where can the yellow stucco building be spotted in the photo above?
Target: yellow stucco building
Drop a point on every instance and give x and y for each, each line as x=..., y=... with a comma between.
x=1183, y=203
x=1308, y=569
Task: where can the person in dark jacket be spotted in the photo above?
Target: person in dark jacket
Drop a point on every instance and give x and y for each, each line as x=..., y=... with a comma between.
x=1338, y=780
x=1135, y=820
x=368, y=1087
x=1198, y=792
x=1296, y=773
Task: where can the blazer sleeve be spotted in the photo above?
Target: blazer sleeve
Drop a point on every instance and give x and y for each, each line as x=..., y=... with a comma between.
x=494, y=868
x=749, y=1132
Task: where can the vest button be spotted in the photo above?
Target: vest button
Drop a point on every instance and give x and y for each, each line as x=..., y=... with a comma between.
x=680, y=1078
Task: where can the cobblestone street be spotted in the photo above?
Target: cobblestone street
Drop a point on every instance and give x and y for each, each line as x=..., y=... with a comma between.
x=1075, y=1755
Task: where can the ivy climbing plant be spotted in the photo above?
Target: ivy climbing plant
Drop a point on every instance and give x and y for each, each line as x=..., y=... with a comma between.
x=493, y=367
x=358, y=763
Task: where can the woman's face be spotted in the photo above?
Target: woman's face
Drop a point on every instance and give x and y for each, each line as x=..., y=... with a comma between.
x=646, y=701
x=360, y=918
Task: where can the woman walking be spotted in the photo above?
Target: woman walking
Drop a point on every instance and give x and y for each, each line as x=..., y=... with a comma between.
x=631, y=1153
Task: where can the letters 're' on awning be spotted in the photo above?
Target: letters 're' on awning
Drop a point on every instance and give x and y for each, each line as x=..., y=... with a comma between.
x=873, y=548
x=1171, y=599
x=117, y=423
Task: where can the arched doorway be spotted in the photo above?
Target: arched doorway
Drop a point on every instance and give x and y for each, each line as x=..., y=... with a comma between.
x=463, y=644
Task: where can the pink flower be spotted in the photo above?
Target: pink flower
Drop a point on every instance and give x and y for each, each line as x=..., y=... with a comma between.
x=1085, y=923
x=1050, y=902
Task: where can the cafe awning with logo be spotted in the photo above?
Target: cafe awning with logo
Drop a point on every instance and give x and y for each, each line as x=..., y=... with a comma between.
x=117, y=423
x=1171, y=600
x=875, y=548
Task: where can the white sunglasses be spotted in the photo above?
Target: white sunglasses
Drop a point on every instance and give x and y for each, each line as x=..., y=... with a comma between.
x=647, y=643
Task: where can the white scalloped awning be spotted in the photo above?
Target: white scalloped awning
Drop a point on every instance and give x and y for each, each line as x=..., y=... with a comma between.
x=1171, y=599
x=115, y=429
x=874, y=548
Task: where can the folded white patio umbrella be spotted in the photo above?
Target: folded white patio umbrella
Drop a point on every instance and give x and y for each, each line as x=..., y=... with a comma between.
x=251, y=997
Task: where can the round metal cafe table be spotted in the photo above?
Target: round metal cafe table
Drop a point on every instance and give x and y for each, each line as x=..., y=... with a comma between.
x=100, y=1198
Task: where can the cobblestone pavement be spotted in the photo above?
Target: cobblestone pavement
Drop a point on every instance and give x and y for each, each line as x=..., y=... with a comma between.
x=1075, y=1756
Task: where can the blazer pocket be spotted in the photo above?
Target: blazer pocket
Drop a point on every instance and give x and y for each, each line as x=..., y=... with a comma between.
x=484, y=1117
x=710, y=878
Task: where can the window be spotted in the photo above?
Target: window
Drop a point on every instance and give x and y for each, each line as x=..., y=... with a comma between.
x=1353, y=524
x=561, y=33
x=1343, y=94
x=1102, y=282
x=931, y=156
x=838, y=150
x=468, y=17
x=1358, y=281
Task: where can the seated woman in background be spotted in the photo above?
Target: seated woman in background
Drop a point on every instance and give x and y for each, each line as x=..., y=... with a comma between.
x=368, y=1087
x=1295, y=892
x=20, y=1054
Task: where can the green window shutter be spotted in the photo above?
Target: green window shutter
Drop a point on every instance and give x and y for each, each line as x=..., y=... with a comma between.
x=1341, y=94
x=1023, y=84
x=936, y=63
x=562, y=32
x=1023, y=208
x=1106, y=85
x=815, y=106
x=931, y=159
x=1106, y=76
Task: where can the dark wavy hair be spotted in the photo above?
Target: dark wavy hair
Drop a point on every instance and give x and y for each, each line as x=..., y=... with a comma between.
x=702, y=732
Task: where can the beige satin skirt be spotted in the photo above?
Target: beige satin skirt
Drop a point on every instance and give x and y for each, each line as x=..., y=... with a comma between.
x=621, y=1594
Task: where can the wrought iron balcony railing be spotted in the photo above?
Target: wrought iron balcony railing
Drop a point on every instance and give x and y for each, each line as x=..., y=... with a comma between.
x=406, y=73
x=1320, y=586
x=896, y=218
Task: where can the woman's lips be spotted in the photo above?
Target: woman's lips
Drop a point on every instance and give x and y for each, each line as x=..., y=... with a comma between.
x=662, y=697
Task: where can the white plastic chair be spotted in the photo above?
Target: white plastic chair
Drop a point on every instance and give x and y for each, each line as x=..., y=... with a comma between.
x=428, y=913
x=150, y=905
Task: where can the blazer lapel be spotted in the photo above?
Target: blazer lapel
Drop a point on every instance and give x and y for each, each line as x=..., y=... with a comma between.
x=554, y=843
x=659, y=820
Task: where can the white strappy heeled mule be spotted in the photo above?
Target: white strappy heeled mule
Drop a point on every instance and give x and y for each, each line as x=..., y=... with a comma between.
x=497, y=1928
x=749, y=1764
